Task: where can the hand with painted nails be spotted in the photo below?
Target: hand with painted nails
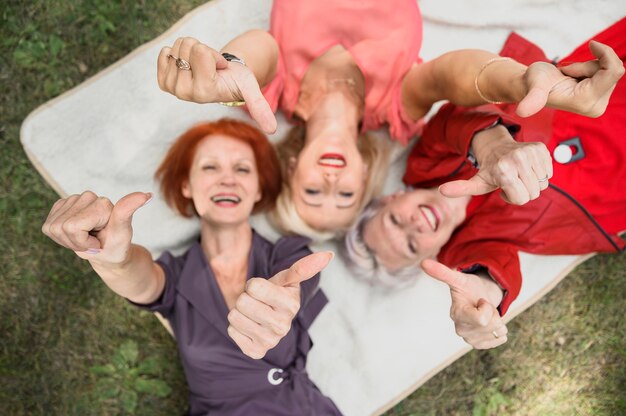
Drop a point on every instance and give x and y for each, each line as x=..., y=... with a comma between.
x=474, y=302
x=93, y=226
x=263, y=312
x=582, y=88
x=521, y=170
x=211, y=79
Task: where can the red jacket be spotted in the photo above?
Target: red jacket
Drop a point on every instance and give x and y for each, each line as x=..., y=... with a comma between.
x=581, y=211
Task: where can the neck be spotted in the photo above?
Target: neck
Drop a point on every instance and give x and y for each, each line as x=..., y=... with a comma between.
x=227, y=246
x=337, y=114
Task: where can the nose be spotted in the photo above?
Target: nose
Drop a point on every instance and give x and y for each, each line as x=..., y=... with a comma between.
x=330, y=176
x=227, y=179
x=416, y=222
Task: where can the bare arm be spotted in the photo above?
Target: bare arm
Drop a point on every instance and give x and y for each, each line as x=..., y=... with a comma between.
x=138, y=278
x=260, y=52
x=582, y=88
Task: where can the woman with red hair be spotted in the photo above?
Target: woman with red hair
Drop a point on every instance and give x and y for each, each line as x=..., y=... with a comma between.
x=243, y=339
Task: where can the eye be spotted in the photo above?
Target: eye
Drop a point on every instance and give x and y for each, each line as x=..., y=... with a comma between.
x=412, y=248
x=209, y=167
x=243, y=169
x=310, y=191
x=346, y=194
x=394, y=219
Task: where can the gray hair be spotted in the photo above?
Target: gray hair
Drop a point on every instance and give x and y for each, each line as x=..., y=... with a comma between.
x=363, y=262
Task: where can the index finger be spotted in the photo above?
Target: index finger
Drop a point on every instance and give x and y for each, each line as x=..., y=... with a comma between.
x=162, y=65
x=303, y=269
x=611, y=66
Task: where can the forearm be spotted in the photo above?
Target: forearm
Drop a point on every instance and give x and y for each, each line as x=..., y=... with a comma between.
x=452, y=77
x=138, y=278
x=260, y=52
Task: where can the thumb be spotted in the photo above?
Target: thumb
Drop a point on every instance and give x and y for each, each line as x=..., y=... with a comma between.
x=257, y=105
x=474, y=186
x=122, y=214
x=485, y=311
x=438, y=271
x=303, y=269
x=534, y=101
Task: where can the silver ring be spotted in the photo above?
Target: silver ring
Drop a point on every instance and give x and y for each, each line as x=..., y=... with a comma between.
x=169, y=55
x=544, y=179
x=495, y=334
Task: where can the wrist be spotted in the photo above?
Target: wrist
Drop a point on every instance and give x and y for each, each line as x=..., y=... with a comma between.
x=494, y=293
x=486, y=139
x=116, y=266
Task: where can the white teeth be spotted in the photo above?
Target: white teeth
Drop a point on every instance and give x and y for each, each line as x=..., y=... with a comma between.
x=224, y=198
x=430, y=216
x=333, y=162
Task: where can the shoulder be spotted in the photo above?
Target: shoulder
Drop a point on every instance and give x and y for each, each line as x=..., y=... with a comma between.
x=173, y=265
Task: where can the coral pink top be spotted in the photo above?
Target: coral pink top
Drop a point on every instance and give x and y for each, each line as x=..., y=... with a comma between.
x=383, y=37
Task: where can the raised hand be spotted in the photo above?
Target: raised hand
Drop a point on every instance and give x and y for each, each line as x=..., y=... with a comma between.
x=263, y=312
x=521, y=170
x=93, y=227
x=582, y=88
x=473, y=310
x=211, y=79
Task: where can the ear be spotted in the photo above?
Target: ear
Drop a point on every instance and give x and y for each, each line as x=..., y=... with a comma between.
x=258, y=196
x=291, y=165
x=186, y=190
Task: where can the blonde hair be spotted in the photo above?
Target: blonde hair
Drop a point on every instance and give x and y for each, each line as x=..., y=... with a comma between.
x=375, y=153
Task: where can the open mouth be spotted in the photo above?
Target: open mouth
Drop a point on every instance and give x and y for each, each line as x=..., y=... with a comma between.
x=431, y=216
x=226, y=200
x=332, y=160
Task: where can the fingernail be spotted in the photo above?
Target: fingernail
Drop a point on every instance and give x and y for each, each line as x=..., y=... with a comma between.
x=92, y=251
x=148, y=201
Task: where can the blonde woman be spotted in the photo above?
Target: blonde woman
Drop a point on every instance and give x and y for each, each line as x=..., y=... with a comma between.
x=342, y=68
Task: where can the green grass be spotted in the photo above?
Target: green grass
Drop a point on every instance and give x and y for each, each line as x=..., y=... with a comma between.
x=566, y=355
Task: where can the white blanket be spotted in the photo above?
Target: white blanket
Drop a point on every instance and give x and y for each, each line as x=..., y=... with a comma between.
x=372, y=348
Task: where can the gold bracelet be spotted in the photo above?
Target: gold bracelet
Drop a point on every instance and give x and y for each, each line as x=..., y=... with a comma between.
x=482, y=68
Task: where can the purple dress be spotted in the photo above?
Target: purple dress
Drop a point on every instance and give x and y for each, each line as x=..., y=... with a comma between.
x=222, y=380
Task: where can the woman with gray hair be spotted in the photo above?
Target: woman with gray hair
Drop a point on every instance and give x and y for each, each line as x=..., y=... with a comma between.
x=342, y=68
x=561, y=177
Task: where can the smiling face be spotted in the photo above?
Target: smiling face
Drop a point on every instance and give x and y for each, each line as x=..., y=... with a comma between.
x=223, y=180
x=328, y=181
x=412, y=226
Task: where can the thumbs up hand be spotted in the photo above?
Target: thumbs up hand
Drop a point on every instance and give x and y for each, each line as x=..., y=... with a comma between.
x=93, y=227
x=521, y=170
x=263, y=312
x=473, y=310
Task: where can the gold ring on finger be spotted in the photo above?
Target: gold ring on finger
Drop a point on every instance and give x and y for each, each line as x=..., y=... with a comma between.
x=182, y=64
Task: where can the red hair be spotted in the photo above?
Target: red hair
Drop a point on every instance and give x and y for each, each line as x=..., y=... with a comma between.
x=174, y=170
